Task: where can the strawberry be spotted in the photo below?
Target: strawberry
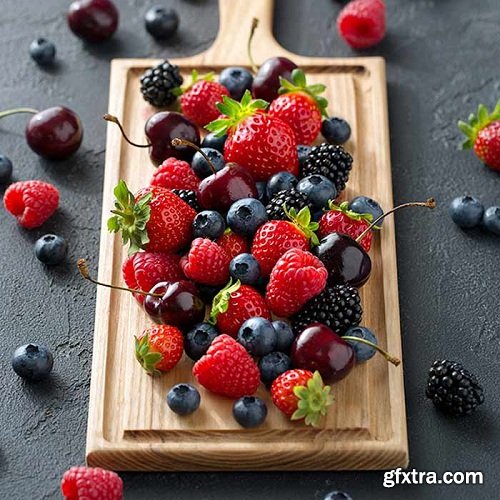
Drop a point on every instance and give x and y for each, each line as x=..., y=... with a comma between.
x=234, y=304
x=227, y=369
x=199, y=100
x=206, y=263
x=155, y=219
x=297, y=277
x=300, y=106
x=300, y=394
x=339, y=219
x=91, y=482
x=232, y=243
x=275, y=237
x=159, y=348
x=175, y=174
x=483, y=134
x=260, y=142
x=143, y=270
x=31, y=202
x=361, y=23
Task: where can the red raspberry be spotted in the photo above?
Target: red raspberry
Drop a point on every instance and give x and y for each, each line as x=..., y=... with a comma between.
x=175, y=174
x=31, y=202
x=79, y=483
x=233, y=243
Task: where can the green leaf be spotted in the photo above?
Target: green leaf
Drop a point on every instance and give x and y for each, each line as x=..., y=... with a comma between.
x=299, y=78
x=220, y=302
x=317, y=88
x=113, y=225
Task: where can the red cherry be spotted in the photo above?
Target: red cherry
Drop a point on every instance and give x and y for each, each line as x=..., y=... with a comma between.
x=93, y=20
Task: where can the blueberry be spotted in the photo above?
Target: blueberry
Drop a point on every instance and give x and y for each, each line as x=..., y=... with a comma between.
x=245, y=267
x=337, y=495
x=365, y=205
x=51, y=249
x=5, y=169
x=282, y=181
x=285, y=335
x=466, y=211
x=208, y=224
x=335, y=130
x=214, y=142
x=303, y=152
x=200, y=165
x=257, y=336
x=491, y=220
x=245, y=216
x=363, y=352
x=272, y=365
x=318, y=189
x=236, y=80
x=183, y=399
x=198, y=340
x=42, y=51
x=161, y=23
x=32, y=362
x=262, y=191
x=249, y=411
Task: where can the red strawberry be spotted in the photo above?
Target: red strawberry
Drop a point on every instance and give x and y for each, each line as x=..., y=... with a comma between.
x=300, y=394
x=31, y=202
x=159, y=348
x=232, y=243
x=260, y=142
x=340, y=219
x=227, y=369
x=297, y=277
x=483, y=134
x=236, y=303
x=206, y=263
x=300, y=106
x=276, y=237
x=361, y=23
x=143, y=270
x=175, y=174
x=91, y=482
x=155, y=219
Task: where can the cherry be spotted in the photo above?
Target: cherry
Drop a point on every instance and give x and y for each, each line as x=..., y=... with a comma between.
x=93, y=20
x=54, y=133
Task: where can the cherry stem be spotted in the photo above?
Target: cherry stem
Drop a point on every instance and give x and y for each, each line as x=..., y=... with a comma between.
x=255, y=23
x=182, y=142
x=18, y=110
x=84, y=271
x=430, y=203
x=114, y=119
x=395, y=361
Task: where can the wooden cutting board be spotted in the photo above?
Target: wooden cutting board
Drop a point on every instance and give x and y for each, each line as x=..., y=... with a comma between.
x=130, y=426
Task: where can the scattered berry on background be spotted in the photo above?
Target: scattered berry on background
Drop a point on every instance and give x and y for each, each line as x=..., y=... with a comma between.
x=453, y=389
x=233, y=243
x=249, y=411
x=227, y=369
x=303, y=152
x=159, y=348
x=93, y=20
x=159, y=84
x=51, y=249
x=161, y=22
x=183, y=399
x=361, y=23
x=175, y=174
x=43, y=51
x=5, y=169
x=200, y=165
x=291, y=198
x=236, y=80
x=266, y=82
x=208, y=224
x=188, y=196
x=482, y=132
x=245, y=216
x=272, y=365
x=466, y=211
x=318, y=189
x=198, y=340
x=257, y=336
x=491, y=220
x=91, y=482
x=31, y=202
x=282, y=181
x=245, y=268
x=337, y=495
x=363, y=352
x=214, y=142
x=261, y=191
x=366, y=205
x=335, y=130
x=32, y=362
x=285, y=335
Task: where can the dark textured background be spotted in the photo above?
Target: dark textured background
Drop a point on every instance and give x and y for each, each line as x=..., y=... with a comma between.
x=442, y=60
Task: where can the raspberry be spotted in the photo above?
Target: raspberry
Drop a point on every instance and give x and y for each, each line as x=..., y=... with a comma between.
x=88, y=482
x=175, y=174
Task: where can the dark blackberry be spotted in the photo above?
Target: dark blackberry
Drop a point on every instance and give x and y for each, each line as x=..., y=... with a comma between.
x=189, y=197
x=158, y=83
x=290, y=198
x=338, y=307
x=453, y=389
x=334, y=162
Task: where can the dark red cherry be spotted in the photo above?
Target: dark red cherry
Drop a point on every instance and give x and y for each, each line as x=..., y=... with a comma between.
x=93, y=20
x=266, y=82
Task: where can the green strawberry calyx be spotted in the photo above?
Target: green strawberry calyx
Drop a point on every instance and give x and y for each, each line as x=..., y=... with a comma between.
x=195, y=78
x=146, y=357
x=302, y=220
x=313, y=400
x=130, y=217
x=220, y=303
x=476, y=123
x=298, y=83
x=344, y=208
x=235, y=112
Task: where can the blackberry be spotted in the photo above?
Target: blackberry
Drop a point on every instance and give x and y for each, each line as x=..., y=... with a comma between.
x=291, y=198
x=338, y=307
x=189, y=197
x=334, y=162
x=453, y=389
x=158, y=83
